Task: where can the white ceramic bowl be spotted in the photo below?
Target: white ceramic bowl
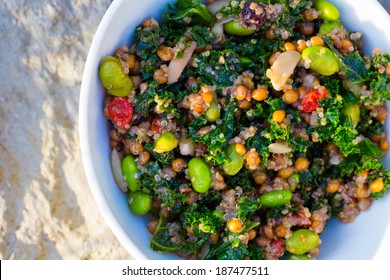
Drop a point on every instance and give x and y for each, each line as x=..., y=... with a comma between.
x=360, y=240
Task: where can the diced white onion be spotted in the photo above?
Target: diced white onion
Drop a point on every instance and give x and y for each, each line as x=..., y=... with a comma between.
x=187, y=148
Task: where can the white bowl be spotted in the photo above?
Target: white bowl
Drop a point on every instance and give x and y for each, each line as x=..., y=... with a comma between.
x=360, y=240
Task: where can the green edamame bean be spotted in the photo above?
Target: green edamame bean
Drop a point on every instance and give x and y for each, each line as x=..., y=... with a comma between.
x=302, y=241
x=327, y=27
x=212, y=113
x=235, y=28
x=234, y=163
x=131, y=173
x=217, y=214
x=299, y=257
x=113, y=78
x=327, y=10
x=321, y=59
x=353, y=112
x=140, y=203
x=200, y=175
x=165, y=143
x=275, y=198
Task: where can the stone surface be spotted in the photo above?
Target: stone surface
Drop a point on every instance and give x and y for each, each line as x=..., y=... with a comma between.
x=46, y=208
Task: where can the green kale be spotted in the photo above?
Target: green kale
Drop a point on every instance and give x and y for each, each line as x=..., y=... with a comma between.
x=260, y=144
x=161, y=239
x=354, y=68
x=216, y=140
x=343, y=138
x=202, y=35
x=225, y=251
x=369, y=149
x=218, y=67
x=332, y=84
x=147, y=41
x=144, y=101
x=242, y=179
x=189, y=9
x=368, y=125
x=201, y=220
x=246, y=206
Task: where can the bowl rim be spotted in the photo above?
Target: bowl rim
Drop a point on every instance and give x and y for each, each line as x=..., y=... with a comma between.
x=86, y=150
x=92, y=178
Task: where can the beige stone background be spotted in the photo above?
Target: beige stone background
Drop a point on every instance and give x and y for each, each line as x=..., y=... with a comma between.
x=46, y=208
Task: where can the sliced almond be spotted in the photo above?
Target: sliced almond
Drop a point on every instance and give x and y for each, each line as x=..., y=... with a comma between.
x=282, y=69
x=116, y=166
x=177, y=65
x=279, y=148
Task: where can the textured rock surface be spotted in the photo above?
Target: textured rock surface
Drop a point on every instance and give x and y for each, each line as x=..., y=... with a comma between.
x=46, y=208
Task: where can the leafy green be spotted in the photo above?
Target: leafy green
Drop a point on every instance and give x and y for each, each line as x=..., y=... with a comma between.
x=161, y=240
x=192, y=9
x=215, y=140
x=370, y=149
x=354, y=68
x=146, y=41
x=242, y=179
x=245, y=206
x=202, y=35
x=144, y=101
x=200, y=220
x=219, y=67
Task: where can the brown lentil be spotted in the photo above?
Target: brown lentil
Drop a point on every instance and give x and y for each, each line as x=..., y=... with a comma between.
x=316, y=41
x=240, y=149
x=384, y=145
x=252, y=234
x=281, y=231
x=165, y=53
x=333, y=186
x=136, y=147
x=240, y=92
x=289, y=46
x=306, y=28
x=260, y=94
x=178, y=165
x=301, y=45
x=244, y=104
x=301, y=164
x=214, y=237
x=160, y=77
x=290, y=96
x=310, y=14
x=152, y=225
x=144, y=157
x=286, y=172
x=377, y=185
x=278, y=116
x=259, y=177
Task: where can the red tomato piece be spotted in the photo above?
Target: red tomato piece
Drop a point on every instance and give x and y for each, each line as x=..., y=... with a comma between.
x=156, y=127
x=120, y=111
x=278, y=248
x=310, y=101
